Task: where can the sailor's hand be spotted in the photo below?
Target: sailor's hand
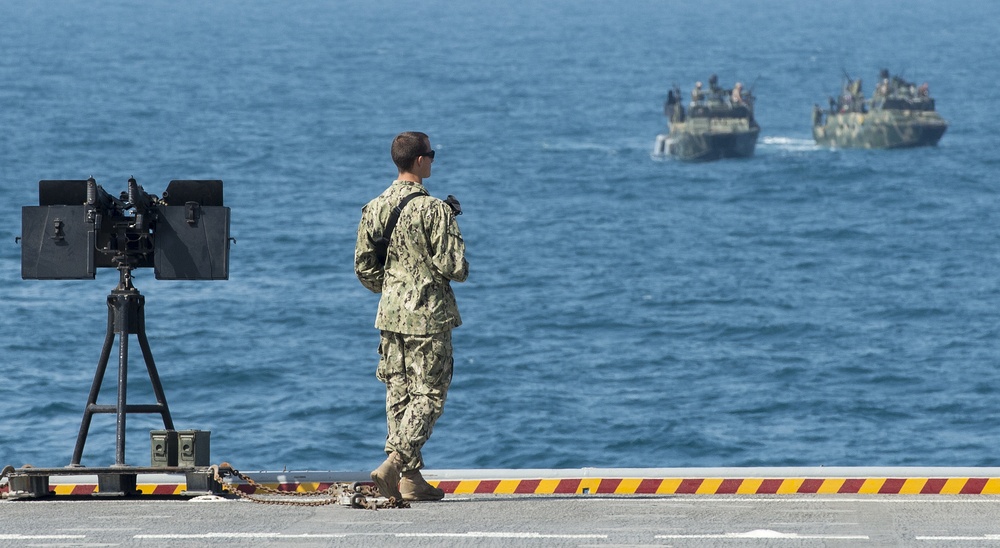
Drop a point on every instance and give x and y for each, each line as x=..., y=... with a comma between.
x=453, y=203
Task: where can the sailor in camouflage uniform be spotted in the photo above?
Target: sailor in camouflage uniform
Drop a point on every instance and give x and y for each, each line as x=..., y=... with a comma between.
x=416, y=311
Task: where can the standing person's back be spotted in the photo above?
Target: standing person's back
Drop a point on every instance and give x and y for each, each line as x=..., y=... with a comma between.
x=417, y=310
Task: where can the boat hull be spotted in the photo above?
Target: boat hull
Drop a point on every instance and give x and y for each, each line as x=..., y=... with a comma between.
x=881, y=129
x=708, y=146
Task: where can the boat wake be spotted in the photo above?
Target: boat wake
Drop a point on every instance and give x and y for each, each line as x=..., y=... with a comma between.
x=662, y=146
x=790, y=144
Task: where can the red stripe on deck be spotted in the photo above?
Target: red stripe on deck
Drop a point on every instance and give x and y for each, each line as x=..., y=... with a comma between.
x=689, y=486
x=608, y=485
x=527, y=486
x=892, y=486
x=648, y=486
x=851, y=486
x=974, y=486
x=487, y=486
x=810, y=485
x=729, y=486
x=769, y=486
x=567, y=486
x=83, y=489
x=448, y=486
x=933, y=486
x=165, y=489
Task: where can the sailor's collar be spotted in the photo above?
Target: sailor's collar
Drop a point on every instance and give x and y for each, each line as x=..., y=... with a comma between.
x=407, y=182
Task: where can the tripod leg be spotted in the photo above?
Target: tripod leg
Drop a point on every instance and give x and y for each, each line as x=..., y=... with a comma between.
x=154, y=377
x=95, y=388
x=122, y=397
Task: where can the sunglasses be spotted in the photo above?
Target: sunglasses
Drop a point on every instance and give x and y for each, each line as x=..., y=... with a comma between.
x=429, y=153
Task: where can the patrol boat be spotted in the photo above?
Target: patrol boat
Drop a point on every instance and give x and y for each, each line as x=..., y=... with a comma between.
x=718, y=123
x=899, y=114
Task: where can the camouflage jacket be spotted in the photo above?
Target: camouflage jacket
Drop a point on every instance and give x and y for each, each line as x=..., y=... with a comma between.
x=425, y=254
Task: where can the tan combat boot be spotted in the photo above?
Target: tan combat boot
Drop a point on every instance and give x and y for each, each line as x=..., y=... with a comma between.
x=413, y=486
x=386, y=476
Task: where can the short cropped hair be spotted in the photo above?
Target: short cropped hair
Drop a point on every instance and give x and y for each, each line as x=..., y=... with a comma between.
x=407, y=147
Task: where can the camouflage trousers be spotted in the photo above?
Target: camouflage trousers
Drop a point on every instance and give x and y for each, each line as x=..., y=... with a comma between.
x=416, y=370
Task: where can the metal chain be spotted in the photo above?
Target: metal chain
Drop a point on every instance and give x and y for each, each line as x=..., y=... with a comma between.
x=352, y=494
x=349, y=494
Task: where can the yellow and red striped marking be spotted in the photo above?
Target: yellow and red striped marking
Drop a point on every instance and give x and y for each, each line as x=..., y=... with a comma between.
x=726, y=486
x=79, y=489
x=639, y=486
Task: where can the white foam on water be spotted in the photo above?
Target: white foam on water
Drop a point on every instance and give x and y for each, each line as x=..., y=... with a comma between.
x=788, y=143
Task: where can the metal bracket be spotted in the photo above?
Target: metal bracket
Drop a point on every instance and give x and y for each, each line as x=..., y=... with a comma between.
x=192, y=210
x=57, y=230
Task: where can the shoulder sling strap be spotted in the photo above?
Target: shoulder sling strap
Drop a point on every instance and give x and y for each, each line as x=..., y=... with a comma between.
x=390, y=225
x=382, y=243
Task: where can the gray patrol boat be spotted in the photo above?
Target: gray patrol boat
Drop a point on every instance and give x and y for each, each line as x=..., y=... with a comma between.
x=718, y=123
x=899, y=114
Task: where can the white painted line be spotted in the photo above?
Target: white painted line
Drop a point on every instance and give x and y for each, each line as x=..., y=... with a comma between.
x=40, y=537
x=765, y=533
x=177, y=536
x=486, y=534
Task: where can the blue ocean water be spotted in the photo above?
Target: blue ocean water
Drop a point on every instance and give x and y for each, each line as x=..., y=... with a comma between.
x=804, y=307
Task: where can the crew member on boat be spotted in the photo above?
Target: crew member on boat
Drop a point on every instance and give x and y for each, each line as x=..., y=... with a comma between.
x=736, y=98
x=697, y=95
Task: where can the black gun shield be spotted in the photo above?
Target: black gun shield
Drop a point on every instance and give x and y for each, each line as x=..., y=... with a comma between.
x=57, y=243
x=192, y=246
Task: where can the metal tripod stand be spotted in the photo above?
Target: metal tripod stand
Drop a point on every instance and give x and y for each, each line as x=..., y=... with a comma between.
x=125, y=317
